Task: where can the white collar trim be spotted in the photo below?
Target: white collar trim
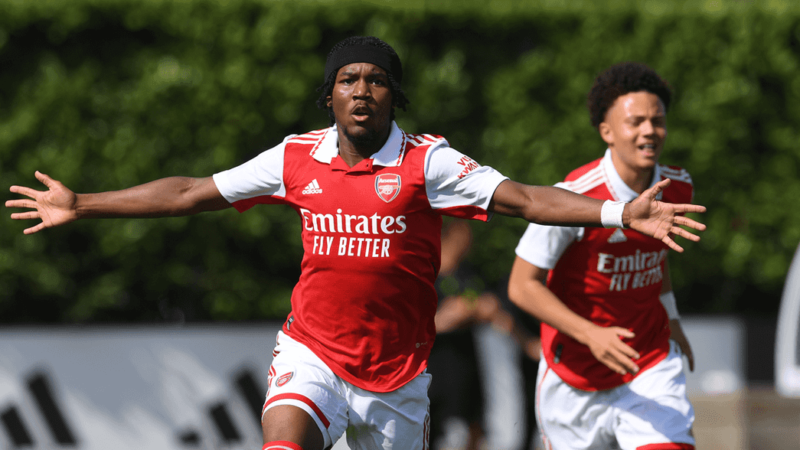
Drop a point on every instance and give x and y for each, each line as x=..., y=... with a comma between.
x=390, y=155
x=620, y=190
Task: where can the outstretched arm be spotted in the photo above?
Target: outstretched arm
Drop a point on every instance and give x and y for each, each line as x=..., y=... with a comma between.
x=554, y=206
x=174, y=196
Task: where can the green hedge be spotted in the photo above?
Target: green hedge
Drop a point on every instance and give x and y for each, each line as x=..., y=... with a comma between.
x=107, y=94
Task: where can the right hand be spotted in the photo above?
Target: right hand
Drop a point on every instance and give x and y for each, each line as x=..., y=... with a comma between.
x=661, y=220
x=606, y=345
x=55, y=207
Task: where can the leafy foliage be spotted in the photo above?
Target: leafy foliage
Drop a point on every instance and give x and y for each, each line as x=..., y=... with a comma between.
x=107, y=94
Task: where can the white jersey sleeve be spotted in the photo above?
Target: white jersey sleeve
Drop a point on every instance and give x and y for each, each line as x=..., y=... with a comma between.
x=457, y=185
x=261, y=176
x=543, y=245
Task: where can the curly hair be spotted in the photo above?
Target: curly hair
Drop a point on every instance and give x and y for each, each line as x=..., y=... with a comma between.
x=399, y=99
x=621, y=79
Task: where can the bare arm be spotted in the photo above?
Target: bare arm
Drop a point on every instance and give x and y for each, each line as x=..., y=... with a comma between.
x=527, y=289
x=675, y=328
x=554, y=206
x=545, y=205
x=174, y=196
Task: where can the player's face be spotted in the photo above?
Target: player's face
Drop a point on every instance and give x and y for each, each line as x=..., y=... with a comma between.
x=635, y=128
x=362, y=101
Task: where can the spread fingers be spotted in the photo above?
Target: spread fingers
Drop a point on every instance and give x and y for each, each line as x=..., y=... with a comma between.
x=684, y=234
x=681, y=220
x=671, y=244
x=21, y=203
x=26, y=215
x=32, y=193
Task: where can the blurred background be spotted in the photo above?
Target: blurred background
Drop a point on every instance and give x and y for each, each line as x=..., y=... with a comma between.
x=106, y=94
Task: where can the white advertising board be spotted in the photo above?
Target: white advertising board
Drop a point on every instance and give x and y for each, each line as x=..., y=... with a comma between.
x=134, y=388
x=198, y=387
x=787, y=345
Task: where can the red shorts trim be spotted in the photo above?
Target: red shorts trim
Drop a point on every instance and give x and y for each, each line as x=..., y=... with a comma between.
x=281, y=445
x=303, y=399
x=666, y=446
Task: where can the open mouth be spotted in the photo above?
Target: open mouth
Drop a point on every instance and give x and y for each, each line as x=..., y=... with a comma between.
x=361, y=113
x=647, y=147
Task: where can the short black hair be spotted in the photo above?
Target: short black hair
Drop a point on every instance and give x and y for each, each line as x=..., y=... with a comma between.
x=621, y=79
x=399, y=99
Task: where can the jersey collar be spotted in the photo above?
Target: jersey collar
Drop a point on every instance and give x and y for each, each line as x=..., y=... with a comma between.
x=622, y=191
x=390, y=155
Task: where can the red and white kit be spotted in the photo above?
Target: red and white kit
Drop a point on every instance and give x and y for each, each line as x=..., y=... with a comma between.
x=612, y=277
x=365, y=301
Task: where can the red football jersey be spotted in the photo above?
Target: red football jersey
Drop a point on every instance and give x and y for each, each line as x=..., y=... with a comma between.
x=612, y=277
x=365, y=300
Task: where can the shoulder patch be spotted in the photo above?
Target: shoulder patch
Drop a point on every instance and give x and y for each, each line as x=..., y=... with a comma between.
x=308, y=142
x=312, y=137
x=587, y=181
x=582, y=170
x=425, y=139
x=675, y=173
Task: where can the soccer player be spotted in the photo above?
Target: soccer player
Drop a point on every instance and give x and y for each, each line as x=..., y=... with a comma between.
x=610, y=377
x=352, y=353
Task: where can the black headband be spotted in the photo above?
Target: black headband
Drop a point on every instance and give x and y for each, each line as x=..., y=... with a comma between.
x=364, y=54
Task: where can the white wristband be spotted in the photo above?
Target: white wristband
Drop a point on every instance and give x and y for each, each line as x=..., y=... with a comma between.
x=668, y=300
x=611, y=214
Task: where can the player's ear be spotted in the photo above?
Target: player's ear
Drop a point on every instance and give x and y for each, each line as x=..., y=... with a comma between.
x=606, y=134
x=329, y=101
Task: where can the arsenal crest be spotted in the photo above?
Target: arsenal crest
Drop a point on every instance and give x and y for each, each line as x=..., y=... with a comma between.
x=387, y=186
x=283, y=379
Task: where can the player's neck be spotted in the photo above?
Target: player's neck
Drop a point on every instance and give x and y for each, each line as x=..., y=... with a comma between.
x=637, y=180
x=354, y=149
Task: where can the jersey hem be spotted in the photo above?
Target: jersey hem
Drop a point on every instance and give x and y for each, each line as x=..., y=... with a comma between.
x=350, y=378
x=245, y=204
x=567, y=377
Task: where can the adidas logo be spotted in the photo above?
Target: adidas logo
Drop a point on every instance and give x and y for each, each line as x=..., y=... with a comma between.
x=617, y=237
x=312, y=188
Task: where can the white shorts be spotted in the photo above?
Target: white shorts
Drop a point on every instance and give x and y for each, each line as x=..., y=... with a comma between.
x=397, y=419
x=650, y=410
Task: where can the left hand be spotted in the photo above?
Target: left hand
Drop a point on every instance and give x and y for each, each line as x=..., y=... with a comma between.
x=660, y=220
x=676, y=334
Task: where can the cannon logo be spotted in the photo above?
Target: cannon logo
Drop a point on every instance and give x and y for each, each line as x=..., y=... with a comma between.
x=387, y=186
x=283, y=379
